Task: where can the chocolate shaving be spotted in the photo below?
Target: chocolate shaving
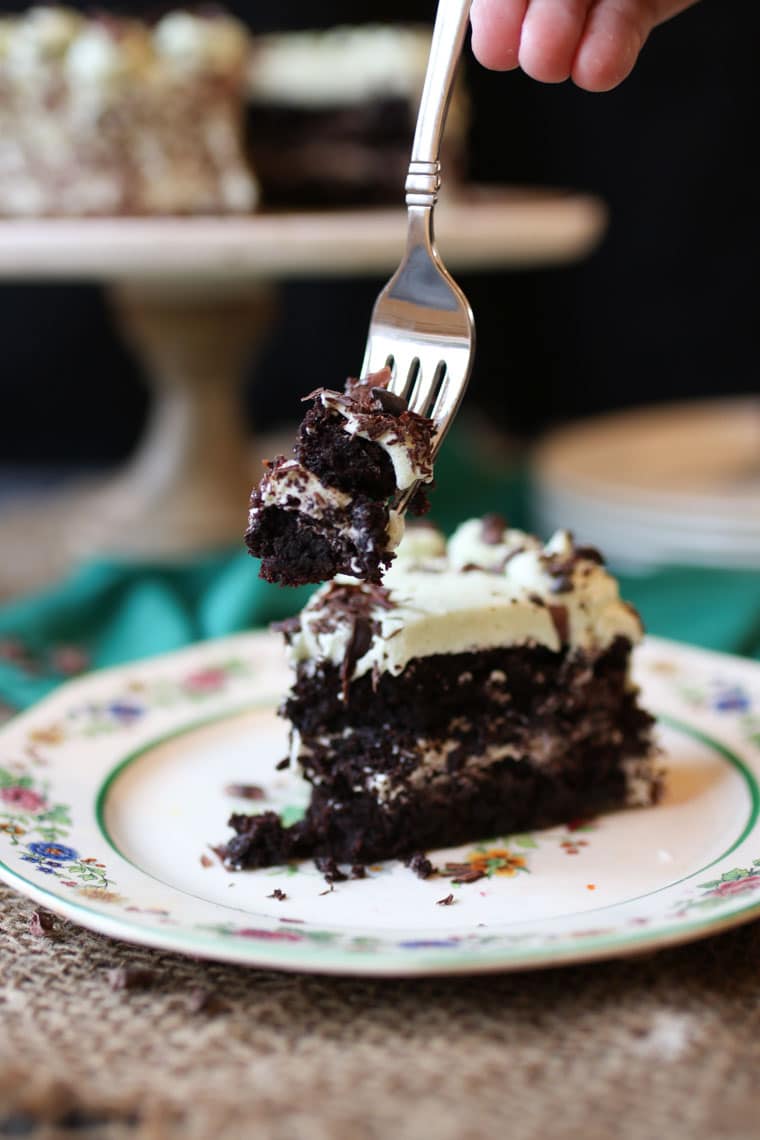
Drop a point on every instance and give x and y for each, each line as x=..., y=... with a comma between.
x=561, y=584
x=358, y=871
x=41, y=924
x=286, y=626
x=464, y=873
x=391, y=403
x=281, y=765
x=245, y=791
x=591, y=554
x=492, y=529
x=278, y=894
x=358, y=644
x=379, y=379
x=560, y=567
x=559, y=616
x=445, y=902
x=342, y=600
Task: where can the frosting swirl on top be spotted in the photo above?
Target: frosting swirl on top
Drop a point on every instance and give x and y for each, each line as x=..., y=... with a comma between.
x=489, y=586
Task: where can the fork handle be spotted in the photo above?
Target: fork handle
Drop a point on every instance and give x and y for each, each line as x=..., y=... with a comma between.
x=424, y=178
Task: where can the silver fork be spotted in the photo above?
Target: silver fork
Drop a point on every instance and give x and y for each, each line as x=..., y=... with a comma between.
x=422, y=326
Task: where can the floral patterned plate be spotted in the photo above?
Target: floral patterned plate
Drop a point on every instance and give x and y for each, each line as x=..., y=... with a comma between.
x=113, y=790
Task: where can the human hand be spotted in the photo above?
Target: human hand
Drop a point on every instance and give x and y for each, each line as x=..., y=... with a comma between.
x=594, y=42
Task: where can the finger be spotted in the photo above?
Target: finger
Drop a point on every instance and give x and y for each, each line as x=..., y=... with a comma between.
x=496, y=26
x=615, y=32
x=551, y=37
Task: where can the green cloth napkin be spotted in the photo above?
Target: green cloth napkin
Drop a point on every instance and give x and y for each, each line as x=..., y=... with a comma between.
x=109, y=612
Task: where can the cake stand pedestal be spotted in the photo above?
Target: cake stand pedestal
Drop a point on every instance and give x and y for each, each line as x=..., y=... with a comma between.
x=193, y=297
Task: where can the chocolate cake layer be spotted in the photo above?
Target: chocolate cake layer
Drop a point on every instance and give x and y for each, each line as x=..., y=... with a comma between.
x=333, y=156
x=294, y=548
x=461, y=747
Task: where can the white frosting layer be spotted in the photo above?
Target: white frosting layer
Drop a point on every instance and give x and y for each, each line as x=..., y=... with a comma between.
x=292, y=486
x=549, y=596
x=341, y=65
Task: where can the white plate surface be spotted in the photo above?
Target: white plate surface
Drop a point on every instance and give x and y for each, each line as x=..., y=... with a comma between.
x=112, y=790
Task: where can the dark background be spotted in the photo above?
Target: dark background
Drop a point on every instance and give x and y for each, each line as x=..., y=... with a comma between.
x=665, y=309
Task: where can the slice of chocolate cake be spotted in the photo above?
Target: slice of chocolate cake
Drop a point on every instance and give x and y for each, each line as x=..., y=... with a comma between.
x=483, y=689
x=330, y=509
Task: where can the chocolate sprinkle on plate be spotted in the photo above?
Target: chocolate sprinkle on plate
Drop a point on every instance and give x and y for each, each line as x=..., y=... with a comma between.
x=445, y=902
x=245, y=791
x=421, y=865
x=277, y=894
x=330, y=869
x=464, y=873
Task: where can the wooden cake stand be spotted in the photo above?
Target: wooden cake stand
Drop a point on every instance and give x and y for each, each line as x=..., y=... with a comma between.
x=193, y=297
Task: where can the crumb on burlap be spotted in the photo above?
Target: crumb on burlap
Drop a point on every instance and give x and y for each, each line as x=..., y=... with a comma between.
x=42, y=924
x=131, y=978
x=201, y=1000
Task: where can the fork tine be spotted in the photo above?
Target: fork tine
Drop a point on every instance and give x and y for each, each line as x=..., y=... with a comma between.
x=432, y=367
x=380, y=350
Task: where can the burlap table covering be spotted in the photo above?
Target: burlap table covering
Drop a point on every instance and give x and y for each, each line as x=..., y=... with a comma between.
x=666, y=1045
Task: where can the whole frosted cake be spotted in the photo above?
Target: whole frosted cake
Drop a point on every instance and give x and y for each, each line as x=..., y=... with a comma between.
x=482, y=689
x=102, y=115
x=332, y=114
